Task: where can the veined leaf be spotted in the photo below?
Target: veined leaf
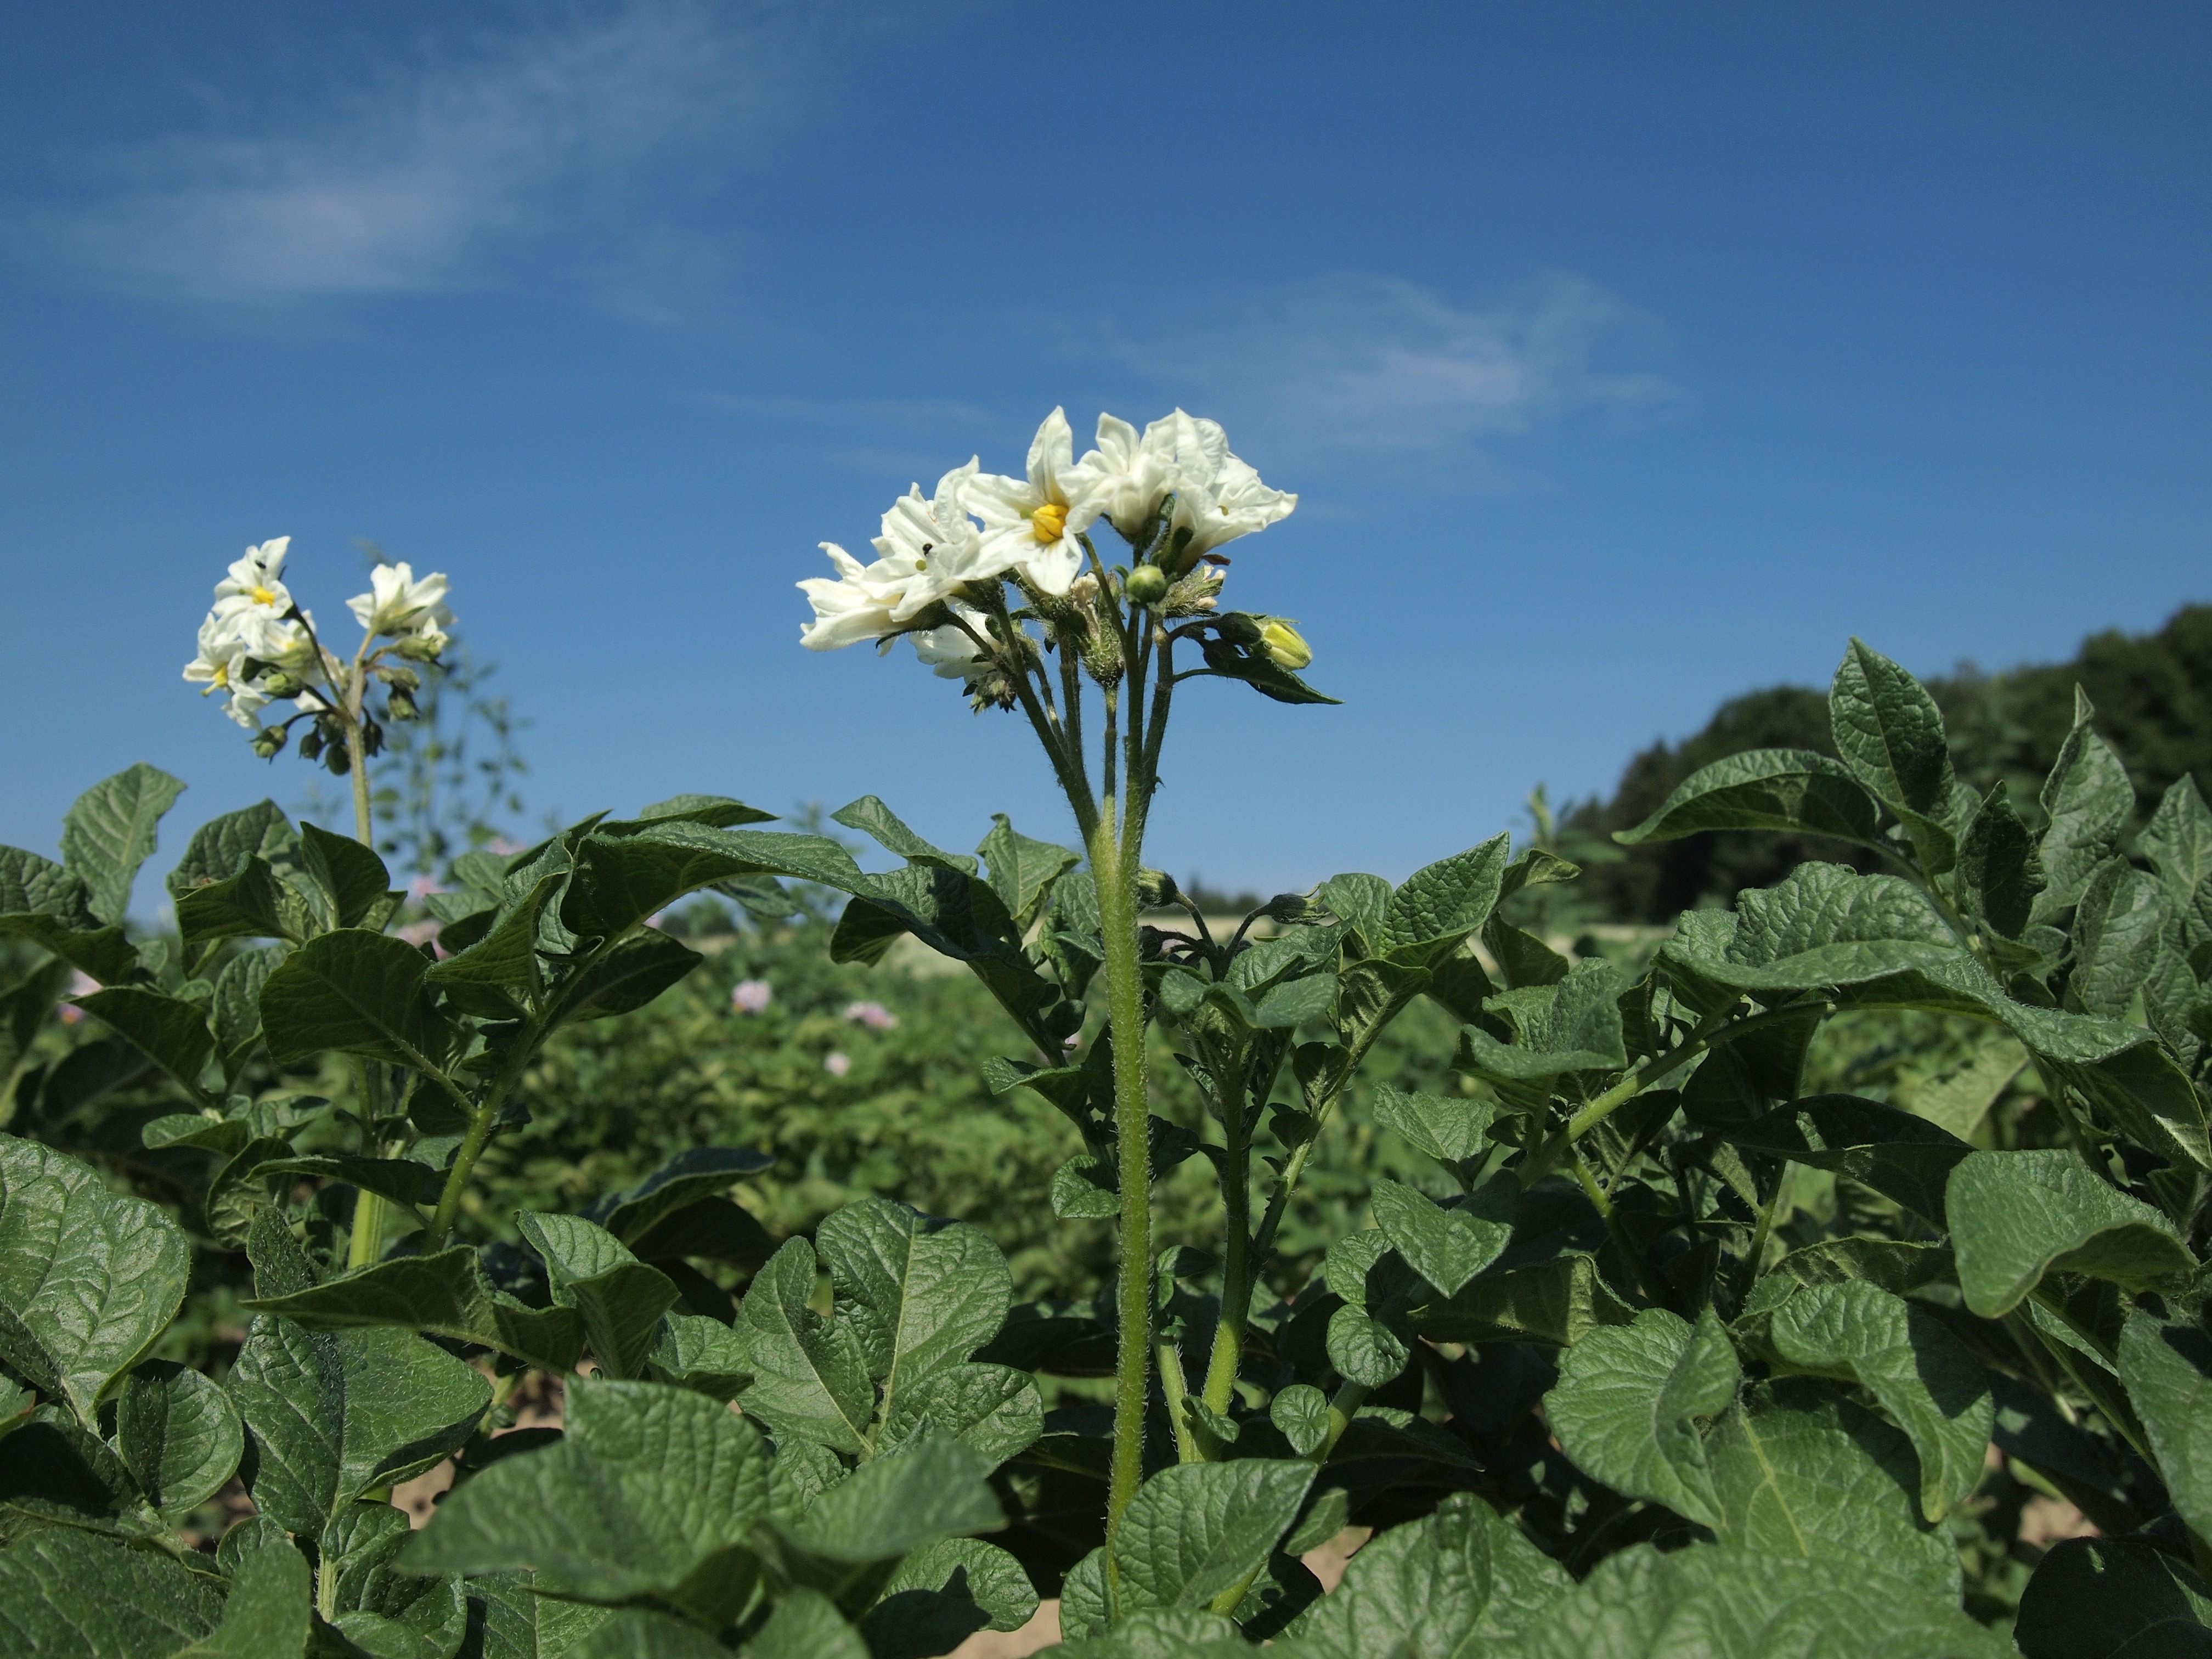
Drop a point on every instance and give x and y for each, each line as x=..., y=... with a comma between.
x=620, y=1298
x=445, y=1295
x=89, y=1278
x=1628, y=1402
x=894, y=1505
x=1449, y=1243
x=944, y=1592
x=1765, y=789
x=811, y=1376
x=2167, y=1368
x=1800, y=1471
x=168, y=1031
x=994, y=1409
x=2086, y=800
x=2117, y=927
x=1556, y=1302
x=1451, y=1130
x=76, y=1596
x=2113, y=1598
x=1890, y=733
x=355, y=993
x=1901, y=1155
x=687, y=1178
x=620, y=880
x=353, y=878
x=333, y=1414
x=1570, y=1026
x=31, y=885
x=266, y=1615
x=652, y=1491
x=1459, y=1584
x=110, y=832
x=1023, y=870
x=1820, y=925
x=873, y=818
x=628, y=977
x=1443, y=903
x=1370, y=1338
x=178, y=1434
x=1908, y=1361
x=2015, y=1217
x=2000, y=870
x=1195, y=1531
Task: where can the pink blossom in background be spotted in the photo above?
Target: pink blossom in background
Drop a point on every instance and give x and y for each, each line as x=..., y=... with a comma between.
x=873, y=1015
x=423, y=886
x=1072, y=1041
x=419, y=934
x=751, y=996
x=656, y=918
x=79, y=984
x=836, y=1064
x=503, y=847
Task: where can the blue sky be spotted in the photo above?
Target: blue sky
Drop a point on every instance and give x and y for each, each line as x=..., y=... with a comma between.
x=1625, y=358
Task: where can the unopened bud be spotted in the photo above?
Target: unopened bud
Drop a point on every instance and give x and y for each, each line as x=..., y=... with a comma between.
x=420, y=647
x=268, y=740
x=1156, y=889
x=312, y=744
x=1284, y=646
x=400, y=705
x=1146, y=584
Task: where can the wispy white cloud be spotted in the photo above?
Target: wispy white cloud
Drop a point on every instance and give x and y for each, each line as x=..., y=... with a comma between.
x=1363, y=366
x=426, y=175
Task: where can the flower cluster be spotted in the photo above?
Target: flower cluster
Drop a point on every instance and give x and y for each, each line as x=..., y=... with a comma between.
x=1174, y=492
x=257, y=646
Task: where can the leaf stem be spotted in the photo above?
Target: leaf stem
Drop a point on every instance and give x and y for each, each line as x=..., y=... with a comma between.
x=1237, y=1269
x=1113, y=871
x=1652, y=1289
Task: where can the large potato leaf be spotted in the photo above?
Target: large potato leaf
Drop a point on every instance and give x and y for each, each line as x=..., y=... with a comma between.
x=1765, y=789
x=355, y=992
x=1820, y=926
x=89, y=1278
x=179, y=1434
x=649, y=1492
x=1441, y=903
x=1890, y=733
x=446, y=1294
x=1197, y=1531
x=2113, y=1598
x=1901, y=1155
x=2167, y=1369
x=109, y=832
x=2015, y=1217
x=1721, y=1603
x=1631, y=1400
x=332, y=1415
x=68, y=1594
x=811, y=1376
x=619, y=1298
x=266, y=1613
x=1908, y=1360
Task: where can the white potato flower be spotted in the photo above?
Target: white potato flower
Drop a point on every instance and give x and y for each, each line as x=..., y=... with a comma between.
x=254, y=586
x=221, y=658
x=948, y=650
x=246, y=702
x=397, y=603
x=929, y=548
x=847, y=609
x=1219, y=497
x=1128, y=474
x=1031, y=524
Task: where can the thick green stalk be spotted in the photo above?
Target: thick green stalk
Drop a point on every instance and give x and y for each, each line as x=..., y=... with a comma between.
x=370, y=1213
x=1113, y=871
x=1236, y=1268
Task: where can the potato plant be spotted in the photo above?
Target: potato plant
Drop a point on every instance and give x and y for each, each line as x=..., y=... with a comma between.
x=1592, y=1388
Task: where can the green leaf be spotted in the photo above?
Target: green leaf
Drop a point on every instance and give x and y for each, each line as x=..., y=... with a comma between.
x=1765, y=789
x=235, y=1011
x=355, y=993
x=168, y=1031
x=444, y=1295
x=1628, y=1402
x=266, y=1615
x=1301, y=1412
x=254, y=902
x=178, y=1434
x=505, y=959
x=619, y=881
x=1195, y=1531
x=2167, y=1368
x=943, y=1593
x=919, y=1294
x=895, y=1504
x=31, y=885
x=1910, y=1362
x=221, y=846
x=1743, y=1604
x=71, y=1595
x=652, y=1491
x=636, y=1634
x=1556, y=1303
x=687, y=1178
x=1370, y=1338
x=1449, y=1130
x=700, y=1353
x=89, y=1278
x=1257, y=670
x=811, y=1376
x=1022, y=871
x=2117, y=927
x=1360, y=901
x=1820, y=925
x=105, y=956
x=1892, y=1264
x=1443, y=903
x=1296, y=1002
x=995, y=1409
x=2113, y=1598
x=2000, y=870
x=1086, y=1188
x=1449, y=1243
x=1572, y=1026
x=628, y=977
x=2015, y=1217
x=2086, y=800
x=332, y=1415
x=1901, y=1155
x=109, y=832
x=715, y=811
x=520, y=1623
x=1890, y=733
x=1800, y=1471
x=873, y=818
x=1458, y=1584
x=805, y=1624
x=620, y=1298
x=56, y=1472
x=402, y=1180
x=351, y=875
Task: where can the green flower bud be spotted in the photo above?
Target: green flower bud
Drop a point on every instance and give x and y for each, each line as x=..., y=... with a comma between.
x=1146, y=584
x=268, y=740
x=1279, y=639
x=400, y=705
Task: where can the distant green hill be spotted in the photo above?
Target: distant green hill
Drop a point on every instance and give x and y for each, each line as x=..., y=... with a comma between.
x=2154, y=698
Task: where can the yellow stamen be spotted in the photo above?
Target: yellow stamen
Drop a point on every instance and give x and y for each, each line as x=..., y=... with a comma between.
x=221, y=675
x=1049, y=522
x=261, y=596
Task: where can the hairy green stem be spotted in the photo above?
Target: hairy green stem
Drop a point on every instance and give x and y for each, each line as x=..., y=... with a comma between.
x=371, y=1214
x=1653, y=1291
x=1174, y=1389
x=1761, y=1233
x=1113, y=870
x=1236, y=1270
